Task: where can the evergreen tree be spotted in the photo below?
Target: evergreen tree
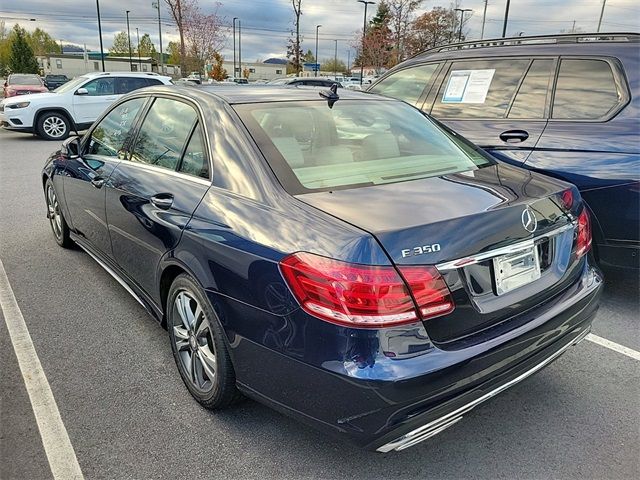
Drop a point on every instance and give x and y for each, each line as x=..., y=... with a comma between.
x=21, y=59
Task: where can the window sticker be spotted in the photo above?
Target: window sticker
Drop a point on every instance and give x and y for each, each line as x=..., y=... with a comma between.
x=468, y=86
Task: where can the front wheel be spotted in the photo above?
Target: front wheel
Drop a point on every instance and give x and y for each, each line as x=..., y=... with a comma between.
x=198, y=345
x=53, y=126
x=56, y=218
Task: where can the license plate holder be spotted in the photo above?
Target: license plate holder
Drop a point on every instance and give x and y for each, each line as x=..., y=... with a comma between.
x=514, y=270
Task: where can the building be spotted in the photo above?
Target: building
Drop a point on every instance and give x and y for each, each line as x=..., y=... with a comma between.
x=73, y=65
x=257, y=70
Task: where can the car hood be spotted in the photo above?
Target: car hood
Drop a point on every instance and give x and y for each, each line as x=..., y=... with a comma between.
x=463, y=213
x=42, y=97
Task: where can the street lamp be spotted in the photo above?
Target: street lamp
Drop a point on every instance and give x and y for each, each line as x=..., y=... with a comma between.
x=157, y=5
x=364, y=31
x=129, y=41
x=234, y=46
x=100, y=34
x=506, y=17
x=139, y=61
x=335, y=62
x=317, y=61
x=461, y=10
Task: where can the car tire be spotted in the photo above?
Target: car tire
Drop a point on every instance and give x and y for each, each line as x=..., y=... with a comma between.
x=58, y=224
x=53, y=126
x=199, y=346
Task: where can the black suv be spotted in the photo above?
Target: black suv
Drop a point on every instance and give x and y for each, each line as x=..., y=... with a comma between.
x=564, y=105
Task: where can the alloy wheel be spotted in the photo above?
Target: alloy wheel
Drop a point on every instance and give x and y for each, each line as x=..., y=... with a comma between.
x=54, y=126
x=193, y=340
x=53, y=207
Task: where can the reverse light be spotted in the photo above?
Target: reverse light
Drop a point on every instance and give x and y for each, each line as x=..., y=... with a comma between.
x=362, y=295
x=583, y=233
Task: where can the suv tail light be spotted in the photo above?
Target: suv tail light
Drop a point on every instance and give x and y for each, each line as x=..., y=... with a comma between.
x=583, y=234
x=362, y=295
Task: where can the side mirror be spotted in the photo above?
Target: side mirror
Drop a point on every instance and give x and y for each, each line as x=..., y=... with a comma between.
x=71, y=148
x=82, y=91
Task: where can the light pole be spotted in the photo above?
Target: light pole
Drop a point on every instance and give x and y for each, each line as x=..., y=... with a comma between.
x=461, y=10
x=240, y=47
x=139, y=61
x=234, y=46
x=129, y=41
x=604, y=2
x=335, y=62
x=157, y=5
x=484, y=18
x=317, y=61
x=364, y=32
x=100, y=34
x=506, y=17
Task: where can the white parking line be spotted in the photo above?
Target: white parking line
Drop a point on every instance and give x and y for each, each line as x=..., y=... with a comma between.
x=60, y=454
x=616, y=347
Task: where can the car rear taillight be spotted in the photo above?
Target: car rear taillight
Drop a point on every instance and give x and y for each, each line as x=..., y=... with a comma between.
x=362, y=295
x=567, y=199
x=583, y=234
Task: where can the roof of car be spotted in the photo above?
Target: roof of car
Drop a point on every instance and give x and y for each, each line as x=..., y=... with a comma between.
x=123, y=74
x=237, y=94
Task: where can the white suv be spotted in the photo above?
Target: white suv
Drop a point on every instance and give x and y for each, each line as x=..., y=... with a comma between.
x=72, y=106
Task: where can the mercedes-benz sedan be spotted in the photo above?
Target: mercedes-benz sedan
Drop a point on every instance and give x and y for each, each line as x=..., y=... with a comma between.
x=339, y=256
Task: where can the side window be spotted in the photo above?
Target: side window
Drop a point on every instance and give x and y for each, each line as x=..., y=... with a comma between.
x=531, y=99
x=163, y=133
x=586, y=89
x=194, y=160
x=108, y=138
x=407, y=84
x=101, y=86
x=153, y=81
x=129, y=84
x=479, y=88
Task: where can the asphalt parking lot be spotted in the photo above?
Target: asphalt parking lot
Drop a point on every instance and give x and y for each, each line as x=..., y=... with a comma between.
x=128, y=414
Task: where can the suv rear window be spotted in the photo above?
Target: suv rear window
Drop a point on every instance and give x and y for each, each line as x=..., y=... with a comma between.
x=407, y=84
x=586, y=89
x=479, y=88
x=355, y=143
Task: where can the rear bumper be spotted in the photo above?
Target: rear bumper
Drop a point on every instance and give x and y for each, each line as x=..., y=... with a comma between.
x=388, y=403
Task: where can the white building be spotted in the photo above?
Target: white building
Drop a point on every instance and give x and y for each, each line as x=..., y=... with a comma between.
x=73, y=65
x=257, y=71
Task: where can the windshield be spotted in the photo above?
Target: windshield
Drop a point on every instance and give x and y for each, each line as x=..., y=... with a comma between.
x=71, y=85
x=24, y=80
x=356, y=143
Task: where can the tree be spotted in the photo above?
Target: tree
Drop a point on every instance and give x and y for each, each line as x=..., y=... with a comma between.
x=308, y=57
x=378, y=42
x=204, y=36
x=402, y=12
x=432, y=29
x=21, y=58
x=217, y=71
x=173, y=50
x=42, y=43
x=330, y=65
x=120, y=45
x=146, y=47
x=179, y=10
x=294, y=52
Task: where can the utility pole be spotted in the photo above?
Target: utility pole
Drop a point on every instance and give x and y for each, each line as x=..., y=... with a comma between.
x=604, y=2
x=139, y=61
x=573, y=28
x=317, y=61
x=335, y=62
x=484, y=18
x=364, y=33
x=506, y=18
x=157, y=5
x=129, y=40
x=100, y=34
x=240, y=47
x=461, y=10
x=349, y=61
x=234, y=46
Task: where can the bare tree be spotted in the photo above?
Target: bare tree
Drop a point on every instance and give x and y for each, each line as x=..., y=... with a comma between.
x=402, y=12
x=178, y=9
x=204, y=35
x=293, y=49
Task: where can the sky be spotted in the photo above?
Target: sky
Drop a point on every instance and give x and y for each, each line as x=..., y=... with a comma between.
x=266, y=24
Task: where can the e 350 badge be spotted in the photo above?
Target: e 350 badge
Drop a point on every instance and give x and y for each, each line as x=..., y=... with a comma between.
x=422, y=250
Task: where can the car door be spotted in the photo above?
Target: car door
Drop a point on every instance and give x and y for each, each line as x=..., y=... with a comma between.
x=102, y=149
x=592, y=141
x=152, y=195
x=499, y=104
x=101, y=92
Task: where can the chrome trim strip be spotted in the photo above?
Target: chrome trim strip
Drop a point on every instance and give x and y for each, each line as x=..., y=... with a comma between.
x=435, y=426
x=516, y=247
x=111, y=272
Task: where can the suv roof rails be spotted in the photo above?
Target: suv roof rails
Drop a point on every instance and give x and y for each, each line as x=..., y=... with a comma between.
x=535, y=40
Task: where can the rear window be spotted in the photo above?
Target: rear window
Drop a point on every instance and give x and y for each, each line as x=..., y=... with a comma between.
x=24, y=80
x=313, y=147
x=407, y=84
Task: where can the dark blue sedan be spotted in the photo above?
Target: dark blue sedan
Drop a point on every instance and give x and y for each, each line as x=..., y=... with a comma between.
x=339, y=256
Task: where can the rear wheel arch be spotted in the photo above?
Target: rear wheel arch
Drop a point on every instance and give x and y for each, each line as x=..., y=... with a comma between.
x=168, y=275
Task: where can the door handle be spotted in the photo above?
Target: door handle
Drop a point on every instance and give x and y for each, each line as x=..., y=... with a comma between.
x=162, y=200
x=97, y=182
x=514, y=136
